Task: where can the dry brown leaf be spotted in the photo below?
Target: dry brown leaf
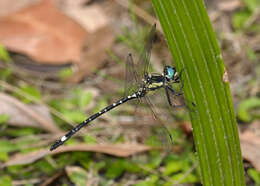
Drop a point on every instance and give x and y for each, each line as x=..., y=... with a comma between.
x=72, y=169
x=85, y=14
x=7, y=6
x=23, y=159
x=73, y=3
x=26, y=115
x=48, y=36
x=229, y=5
x=250, y=145
x=43, y=33
x=95, y=56
x=119, y=150
x=100, y=38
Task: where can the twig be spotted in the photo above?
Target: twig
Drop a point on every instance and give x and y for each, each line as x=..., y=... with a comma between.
x=52, y=110
x=252, y=18
x=37, y=117
x=141, y=13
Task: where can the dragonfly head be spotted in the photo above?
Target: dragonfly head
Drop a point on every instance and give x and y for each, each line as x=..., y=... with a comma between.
x=170, y=73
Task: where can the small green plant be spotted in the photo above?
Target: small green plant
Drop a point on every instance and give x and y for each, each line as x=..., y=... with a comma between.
x=4, y=55
x=65, y=73
x=242, y=18
x=244, y=109
x=255, y=175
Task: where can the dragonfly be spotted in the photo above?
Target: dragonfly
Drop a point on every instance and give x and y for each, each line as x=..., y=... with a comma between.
x=138, y=83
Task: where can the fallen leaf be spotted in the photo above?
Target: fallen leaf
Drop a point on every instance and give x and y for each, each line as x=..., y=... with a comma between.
x=250, y=146
x=119, y=150
x=48, y=36
x=8, y=7
x=229, y=5
x=27, y=115
x=100, y=38
x=77, y=175
x=95, y=55
x=22, y=159
x=43, y=33
x=84, y=15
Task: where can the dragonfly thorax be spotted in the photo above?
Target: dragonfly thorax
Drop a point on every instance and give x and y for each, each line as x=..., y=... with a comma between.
x=155, y=85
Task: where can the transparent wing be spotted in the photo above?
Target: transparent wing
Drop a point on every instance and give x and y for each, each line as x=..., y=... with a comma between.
x=134, y=76
x=144, y=60
x=165, y=136
x=131, y=79
x=164, y=114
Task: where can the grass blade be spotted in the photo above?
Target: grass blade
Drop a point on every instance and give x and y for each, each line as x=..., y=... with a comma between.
x=194, y=48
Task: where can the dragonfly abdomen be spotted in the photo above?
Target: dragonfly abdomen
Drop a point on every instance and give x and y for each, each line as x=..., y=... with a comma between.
x=67, y=136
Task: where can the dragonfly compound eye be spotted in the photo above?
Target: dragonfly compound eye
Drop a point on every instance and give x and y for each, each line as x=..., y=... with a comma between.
x=169, y=72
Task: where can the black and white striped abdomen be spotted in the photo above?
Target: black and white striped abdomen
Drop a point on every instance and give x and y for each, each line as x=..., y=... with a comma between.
x=91, y=118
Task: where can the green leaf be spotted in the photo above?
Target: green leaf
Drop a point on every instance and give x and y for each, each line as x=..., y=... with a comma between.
x=3, y=156
x=116, y=169
x=32, y=91
x=245, y=106
x=151, y=181
x=173, y=167
x=155, y=160
x=7, y=146
x=194, y=48
x=44, y=166
x=90, y=139
x=66, y=159
x=78, y=176
x=251, y=54
x=100, y=105
x=255, y=175
x=98, y=165
x=5, y=181
x=21, y=132
x=132, y=167
x=4, y=118
x=5, y=73
x=252, y=5
x=65, y=73
x=85, y=99
x=75, y=116
x=240, y=18
x=62, y=105
x=185, y=178
x=4, y=55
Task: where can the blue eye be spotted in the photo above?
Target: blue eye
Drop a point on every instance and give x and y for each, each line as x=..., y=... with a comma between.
x=170, y=72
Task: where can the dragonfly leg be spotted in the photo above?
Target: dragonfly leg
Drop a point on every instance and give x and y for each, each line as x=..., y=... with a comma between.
x=167, y=88
x=173, y=91
x=180, y=80
x=168, y=96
